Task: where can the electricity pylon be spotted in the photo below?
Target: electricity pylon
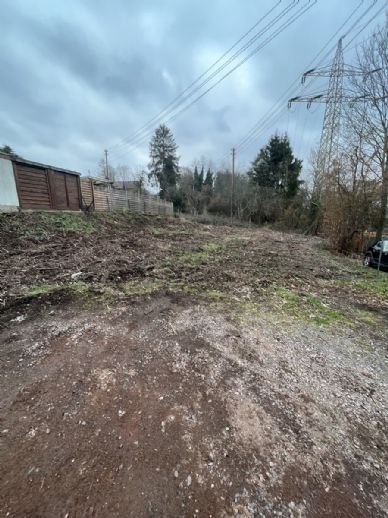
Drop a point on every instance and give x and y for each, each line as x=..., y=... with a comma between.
x=329, y=166
x=334, y=97
x=328, y=154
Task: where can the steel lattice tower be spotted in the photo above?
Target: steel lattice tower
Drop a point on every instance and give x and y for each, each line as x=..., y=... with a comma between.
x=328, y=168
x=328, y=156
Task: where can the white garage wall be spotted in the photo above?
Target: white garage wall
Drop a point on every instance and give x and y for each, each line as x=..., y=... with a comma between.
x=8, y=195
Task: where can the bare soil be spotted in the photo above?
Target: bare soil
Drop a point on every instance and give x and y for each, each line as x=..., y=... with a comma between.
x=154, y=367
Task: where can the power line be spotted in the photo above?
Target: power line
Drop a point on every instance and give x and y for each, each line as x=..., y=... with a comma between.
x=308, y=5
x=329, y=143
x=366, y=25
x=358, y=44
x=278, y=106
x=269, y=122
x=275, y=111
x=145, y=133
x=257, y=49
x=191, y=85
x=257, y=36
x=332, y=73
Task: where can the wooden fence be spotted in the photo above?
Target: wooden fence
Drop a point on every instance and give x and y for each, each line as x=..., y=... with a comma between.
x=104, y=197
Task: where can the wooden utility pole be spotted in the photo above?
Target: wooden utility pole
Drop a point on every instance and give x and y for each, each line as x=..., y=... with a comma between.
x=232, y=185
x=106, y=164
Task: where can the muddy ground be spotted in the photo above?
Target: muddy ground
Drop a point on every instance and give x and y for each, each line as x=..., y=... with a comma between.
x=154, y=367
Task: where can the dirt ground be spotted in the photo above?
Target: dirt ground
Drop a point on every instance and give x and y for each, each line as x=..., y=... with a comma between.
x=158, y=368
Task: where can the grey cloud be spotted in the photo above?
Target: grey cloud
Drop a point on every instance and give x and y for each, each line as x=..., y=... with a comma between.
x=221, y=120
x=89, y=72
x=70, y=47
x=21, y=93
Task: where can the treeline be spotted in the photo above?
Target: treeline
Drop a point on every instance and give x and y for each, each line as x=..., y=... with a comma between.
x=347, y=192
x=267, y=193
x=271, y=191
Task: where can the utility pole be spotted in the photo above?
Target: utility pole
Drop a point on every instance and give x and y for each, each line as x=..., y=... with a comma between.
x=232, y=186
x=106, y=164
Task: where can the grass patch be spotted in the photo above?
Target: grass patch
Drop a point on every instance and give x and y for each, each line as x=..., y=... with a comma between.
x=212, y=248
x=40, y=225
x=371, y=282
x=86, y=295
x=366, y=317
x=49, y=223
x=307, y=307
x=44, y=224
x=187, y=290
x=192, y=259
x=89, y=297
x=76, y=223
x=214, y=294
x=41, y=289
x=197, y=291
x=77, y=288
x=209, y=252
x=141, y=287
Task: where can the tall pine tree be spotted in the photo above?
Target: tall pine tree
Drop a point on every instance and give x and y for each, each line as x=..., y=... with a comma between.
x=164, y=165
x=208, y=182
x=200, y=179
x=275, y=167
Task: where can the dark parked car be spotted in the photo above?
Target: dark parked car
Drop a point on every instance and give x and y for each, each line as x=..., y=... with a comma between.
x=372, y=255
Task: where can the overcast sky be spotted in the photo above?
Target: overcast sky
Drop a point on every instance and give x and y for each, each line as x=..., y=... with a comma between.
x=82, y=75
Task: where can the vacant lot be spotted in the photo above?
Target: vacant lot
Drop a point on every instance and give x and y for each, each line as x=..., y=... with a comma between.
x=154, y=367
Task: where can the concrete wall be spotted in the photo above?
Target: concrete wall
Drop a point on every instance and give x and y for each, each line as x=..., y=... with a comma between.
x=8, y=194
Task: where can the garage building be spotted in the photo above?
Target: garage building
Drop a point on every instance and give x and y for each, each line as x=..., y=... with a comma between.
x=31, y=185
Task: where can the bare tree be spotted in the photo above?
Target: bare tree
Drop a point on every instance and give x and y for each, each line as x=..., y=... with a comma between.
x=123, y=173
x=368, y=118
x=140, y=176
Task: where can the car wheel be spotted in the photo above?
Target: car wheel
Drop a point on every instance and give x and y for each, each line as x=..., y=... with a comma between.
x=367, y=260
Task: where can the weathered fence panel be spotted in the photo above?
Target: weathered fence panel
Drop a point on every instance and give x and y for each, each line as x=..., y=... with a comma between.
x=102, y=196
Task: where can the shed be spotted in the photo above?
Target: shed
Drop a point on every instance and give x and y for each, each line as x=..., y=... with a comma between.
x=38, y=186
